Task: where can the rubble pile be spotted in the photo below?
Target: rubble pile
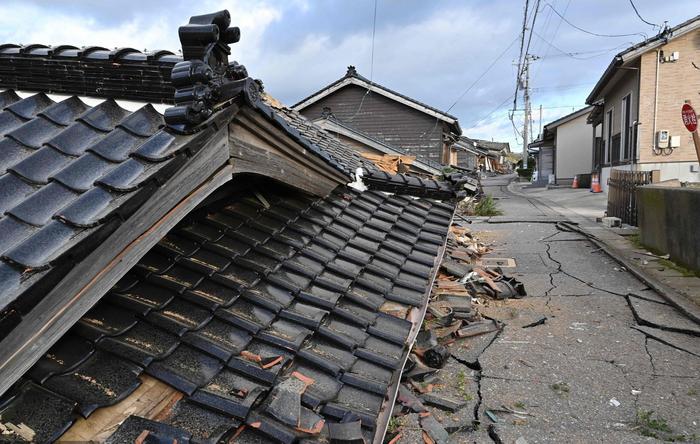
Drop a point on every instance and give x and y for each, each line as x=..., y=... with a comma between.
x=437, y=393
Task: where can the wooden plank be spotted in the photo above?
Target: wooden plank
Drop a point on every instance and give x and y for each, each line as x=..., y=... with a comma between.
x=247, y=158
x=254, y=130
x=85, y=284
x=151, y=400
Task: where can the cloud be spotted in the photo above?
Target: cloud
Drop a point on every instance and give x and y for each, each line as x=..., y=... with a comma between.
x=427, y=50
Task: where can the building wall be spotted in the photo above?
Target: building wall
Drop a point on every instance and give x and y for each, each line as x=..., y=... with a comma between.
x=391, y=122
x=678, y=81
x=627, y=84
x=573, y=148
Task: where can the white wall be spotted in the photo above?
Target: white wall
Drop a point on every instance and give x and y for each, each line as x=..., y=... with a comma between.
x=574, y=148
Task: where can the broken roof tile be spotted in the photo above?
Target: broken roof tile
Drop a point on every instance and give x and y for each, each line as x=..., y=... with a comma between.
x=44, y=414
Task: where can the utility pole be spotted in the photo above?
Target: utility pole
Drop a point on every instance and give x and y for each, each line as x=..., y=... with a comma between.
x=540, y=120
x=528, y=111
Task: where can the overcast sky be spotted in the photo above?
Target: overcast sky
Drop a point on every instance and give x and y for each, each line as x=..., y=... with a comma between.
x=430, y=50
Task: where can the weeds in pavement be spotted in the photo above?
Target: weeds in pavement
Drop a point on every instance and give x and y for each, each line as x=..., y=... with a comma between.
x=657, y=427
x=520, y=405
x=692, y=392
x=487, y=207
x=463, y=386
x=560, y=388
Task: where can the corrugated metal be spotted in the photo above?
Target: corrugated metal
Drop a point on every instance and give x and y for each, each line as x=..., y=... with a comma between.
x=389, y=121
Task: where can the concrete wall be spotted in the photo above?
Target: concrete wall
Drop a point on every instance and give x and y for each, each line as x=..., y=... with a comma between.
x=573, y=152
x=678, y=81
x=668, y=219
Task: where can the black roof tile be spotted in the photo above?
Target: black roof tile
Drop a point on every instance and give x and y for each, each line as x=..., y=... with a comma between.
x=102, y=380
x=13, y=232
x=38, y=251
x=105, y=320
x=246, y=315
x=45, y=413
x=230, y=393
x=65, y=111
x=30, y=106
x=144, y=122
x=142, y=297
x=64, y=356
x=141, y=344
x=210, y=295
x=133, y=426
x=186, y=369
x=105, y=116
x=117, y=145
x=202, y=423
x=219, y=339
x=13, y=153
x=179, y=317
x=35, y=132
x=9, y=121
x=41, y=164
x=38, y=209
x=75, y=139
x=82, y=173
x=8, y=97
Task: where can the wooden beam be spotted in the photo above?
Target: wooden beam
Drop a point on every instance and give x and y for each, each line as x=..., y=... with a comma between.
x=89, y=280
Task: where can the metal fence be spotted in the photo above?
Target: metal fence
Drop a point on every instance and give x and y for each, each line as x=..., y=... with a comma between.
x=622, y=199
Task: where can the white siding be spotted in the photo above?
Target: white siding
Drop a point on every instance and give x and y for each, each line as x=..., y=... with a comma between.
x=574, y=152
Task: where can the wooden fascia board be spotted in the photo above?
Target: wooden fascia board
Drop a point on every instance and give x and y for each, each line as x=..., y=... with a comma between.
x=284, y=146
x=375, y=89
x=89, y=280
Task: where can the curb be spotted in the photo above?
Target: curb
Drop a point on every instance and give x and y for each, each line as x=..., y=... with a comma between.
x=677, y=300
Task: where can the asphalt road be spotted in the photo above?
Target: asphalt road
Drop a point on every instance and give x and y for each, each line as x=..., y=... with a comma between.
x=611, y=362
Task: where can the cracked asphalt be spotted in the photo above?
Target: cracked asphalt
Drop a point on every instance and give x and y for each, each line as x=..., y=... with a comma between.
x=587, y=352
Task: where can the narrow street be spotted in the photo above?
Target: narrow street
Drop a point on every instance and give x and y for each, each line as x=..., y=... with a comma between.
x=591, y=354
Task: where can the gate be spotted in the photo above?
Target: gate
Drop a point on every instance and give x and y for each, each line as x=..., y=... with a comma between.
x=622, y=199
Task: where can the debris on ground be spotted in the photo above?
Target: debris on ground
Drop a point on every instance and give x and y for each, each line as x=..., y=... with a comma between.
x=436, y=388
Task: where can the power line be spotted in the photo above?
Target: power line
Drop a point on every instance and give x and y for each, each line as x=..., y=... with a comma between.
x=591, y=32
x=574, y=55
x=486, y=71
x=532, y=28
x=371, y=64
x=641, y=18
x=520, y=57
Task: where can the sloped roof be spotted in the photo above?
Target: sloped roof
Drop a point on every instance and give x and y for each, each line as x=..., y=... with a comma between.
x=352, y=77
x=264, y=301
x=634, y=51
x=70, y=174
x=240, y=303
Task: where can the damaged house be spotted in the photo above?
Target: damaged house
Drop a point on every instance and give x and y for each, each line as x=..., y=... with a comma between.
x=202, y=275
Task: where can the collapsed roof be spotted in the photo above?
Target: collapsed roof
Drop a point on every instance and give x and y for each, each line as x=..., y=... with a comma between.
x=216, y=249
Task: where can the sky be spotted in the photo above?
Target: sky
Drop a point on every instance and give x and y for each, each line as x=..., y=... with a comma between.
x=456, y=55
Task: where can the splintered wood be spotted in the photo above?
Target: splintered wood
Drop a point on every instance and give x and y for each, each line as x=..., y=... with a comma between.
x=152, y=400
x=390, y=164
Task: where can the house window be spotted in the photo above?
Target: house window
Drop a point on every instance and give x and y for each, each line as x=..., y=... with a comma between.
x=626, y=128
x=608, y=136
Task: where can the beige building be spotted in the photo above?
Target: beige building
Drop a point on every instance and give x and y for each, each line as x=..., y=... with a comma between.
x=637, y=117
x=563, y=150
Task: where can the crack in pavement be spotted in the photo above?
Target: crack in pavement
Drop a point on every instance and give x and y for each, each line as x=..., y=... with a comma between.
x=476, y=366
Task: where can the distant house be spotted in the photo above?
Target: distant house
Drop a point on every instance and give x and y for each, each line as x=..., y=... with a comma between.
x=407, y=125
x=638, y=104
x=485, y=154
x=563, y=150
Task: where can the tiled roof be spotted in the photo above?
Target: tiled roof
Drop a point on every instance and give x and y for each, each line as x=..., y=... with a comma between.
x=285, y=313
x=122, y=73
x=319, y=140
x=69, y=174
x=352, y=73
